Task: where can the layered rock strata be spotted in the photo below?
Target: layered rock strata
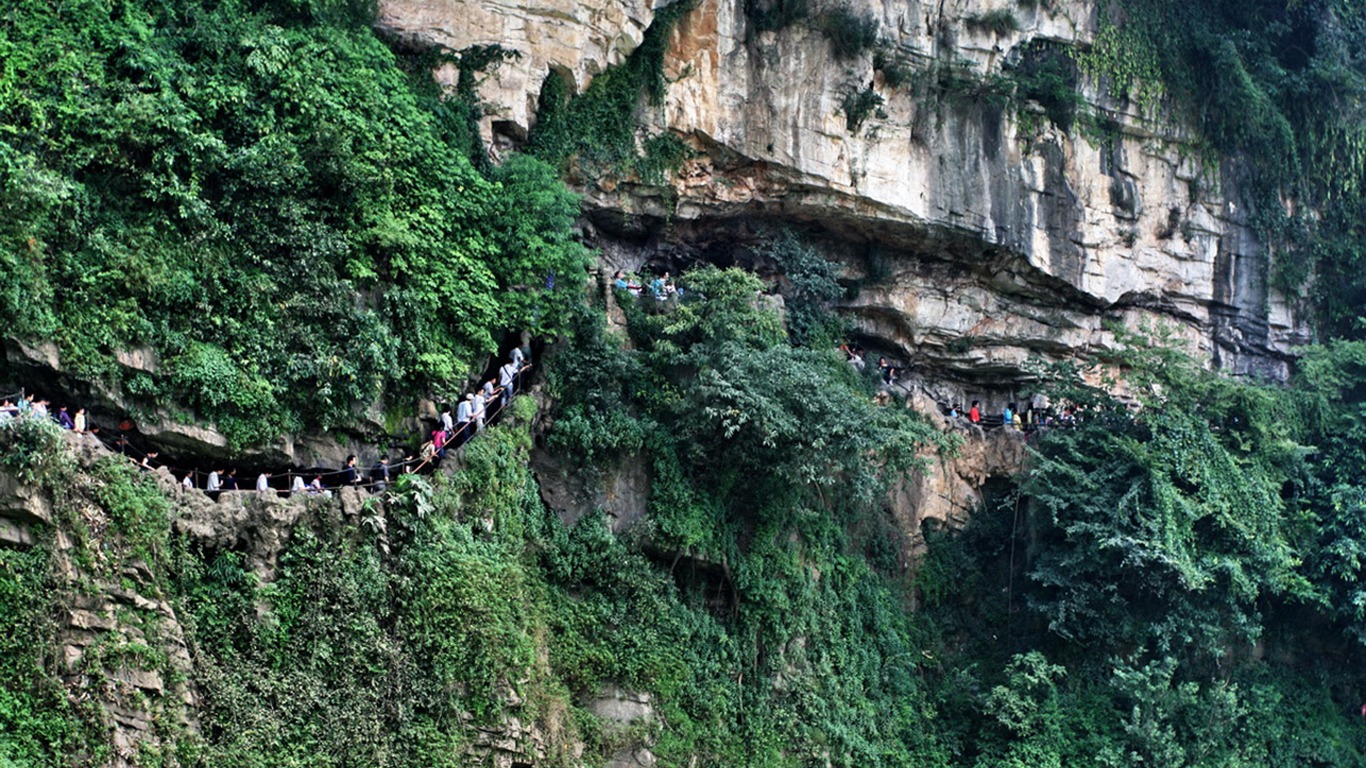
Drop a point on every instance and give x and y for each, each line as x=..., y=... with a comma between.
x=980, y=232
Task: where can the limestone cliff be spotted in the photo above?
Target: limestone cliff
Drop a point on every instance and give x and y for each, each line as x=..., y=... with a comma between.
x=979, y=235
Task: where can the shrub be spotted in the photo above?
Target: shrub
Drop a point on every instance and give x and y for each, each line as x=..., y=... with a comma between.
x=850, y=33
x=998, y=21
x=858, y=106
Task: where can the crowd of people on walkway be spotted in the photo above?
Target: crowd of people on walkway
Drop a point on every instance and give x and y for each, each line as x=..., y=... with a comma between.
x=1037, y=414
x=454, y=427
x=659, y=287
x=20, y=405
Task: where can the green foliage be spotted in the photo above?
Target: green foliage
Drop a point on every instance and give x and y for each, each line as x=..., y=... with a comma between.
x=262, y=196
x=376, y=646
x=850, y=33
x=770, y=463
x=1147, y=550
x=597, y=130
x=1047, y=75
x=39, y=724
x=859, y=106
x=997, y=21
x=773, y=15
x=811, y=284
x=1280, y=84
x=31, y=449
x=896, y=67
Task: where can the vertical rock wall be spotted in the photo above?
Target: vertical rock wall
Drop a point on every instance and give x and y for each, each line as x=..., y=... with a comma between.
x=997, y=235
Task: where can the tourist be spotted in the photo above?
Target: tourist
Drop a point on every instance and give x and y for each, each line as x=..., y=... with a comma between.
x=148, y=462
x=379, y=474
x=438, y=442
x=464, y=416
x=349, y=474
x=975, y=412
x=297, y=487
x=212, y=486
x=187, y=482
x=506, y=376
x=79, y=424
x=263, y=483
x=477, y=411
x=230, y=480
x=64, y=418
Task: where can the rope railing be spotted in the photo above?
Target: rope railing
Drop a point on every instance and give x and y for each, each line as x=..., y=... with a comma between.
x=466, y=431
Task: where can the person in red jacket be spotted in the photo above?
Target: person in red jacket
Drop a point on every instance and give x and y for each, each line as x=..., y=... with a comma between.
x=975, y=413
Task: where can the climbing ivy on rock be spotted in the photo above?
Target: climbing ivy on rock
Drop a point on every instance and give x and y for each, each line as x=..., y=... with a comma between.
x=263, y=196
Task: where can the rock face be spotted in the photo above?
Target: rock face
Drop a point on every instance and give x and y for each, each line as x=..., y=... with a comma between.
x=117, y=640
x=951, y=487
x=979, y=233
x=576, y=38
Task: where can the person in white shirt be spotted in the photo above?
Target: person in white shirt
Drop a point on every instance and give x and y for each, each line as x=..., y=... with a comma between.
x=213, y=484
x=477, y=411
x=506, y=378
x=463, y=415
x=263, y=482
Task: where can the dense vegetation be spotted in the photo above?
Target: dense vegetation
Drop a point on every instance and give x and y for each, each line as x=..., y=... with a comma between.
x=260, y=194
x=280, y=207
x=1177, y=584
x=1278, y=86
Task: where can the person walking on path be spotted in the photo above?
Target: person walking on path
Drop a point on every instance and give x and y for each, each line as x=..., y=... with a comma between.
x=349, y=474
x=379, y=474
x=477, y=410
x=507, y=376
x=263, y=483
x=464, y=415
